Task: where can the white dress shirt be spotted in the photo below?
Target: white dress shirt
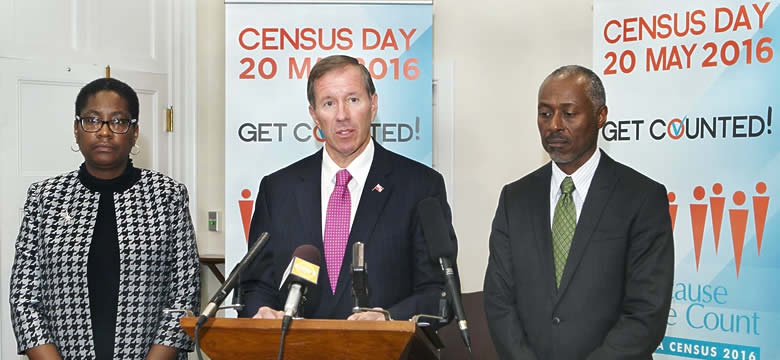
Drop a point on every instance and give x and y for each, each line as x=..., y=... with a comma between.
x=581, y=177
x=358, y=168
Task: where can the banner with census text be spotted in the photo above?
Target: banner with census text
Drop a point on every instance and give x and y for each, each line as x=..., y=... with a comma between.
x=692, y=90
x=270, y=48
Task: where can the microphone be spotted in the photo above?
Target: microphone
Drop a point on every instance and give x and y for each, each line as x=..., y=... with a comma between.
x=230, y=283
x=303, y=271
x=442, y=249
x=359, y=277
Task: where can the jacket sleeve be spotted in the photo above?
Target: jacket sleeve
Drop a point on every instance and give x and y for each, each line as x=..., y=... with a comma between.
x=259, y=285
x=649, y=282
x=503, y=320
x=28, y=315
x=184, y=286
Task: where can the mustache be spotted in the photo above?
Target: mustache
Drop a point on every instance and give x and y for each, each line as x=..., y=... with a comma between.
x=555, y=137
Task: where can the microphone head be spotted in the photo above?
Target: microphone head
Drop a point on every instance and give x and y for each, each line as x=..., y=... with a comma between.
x=309, y=253
x=358, y=256
x=304, y=266
x=435, y=229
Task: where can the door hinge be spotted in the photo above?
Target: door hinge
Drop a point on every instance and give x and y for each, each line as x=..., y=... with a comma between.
x=169, y=119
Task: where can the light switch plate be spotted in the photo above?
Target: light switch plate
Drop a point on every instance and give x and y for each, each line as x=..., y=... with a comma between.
x=214, y=220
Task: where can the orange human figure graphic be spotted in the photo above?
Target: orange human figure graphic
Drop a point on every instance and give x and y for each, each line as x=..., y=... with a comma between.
x=760, y=206
x=672, y=207
x=698, y=219
x=246, y=206
x=717, y=203
x=738, y=219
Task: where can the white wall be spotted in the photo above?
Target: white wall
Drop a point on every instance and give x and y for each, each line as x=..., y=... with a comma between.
x=211, y=133
x=500, y=51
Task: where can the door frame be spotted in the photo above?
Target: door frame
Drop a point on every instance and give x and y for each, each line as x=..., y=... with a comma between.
x=183, y=94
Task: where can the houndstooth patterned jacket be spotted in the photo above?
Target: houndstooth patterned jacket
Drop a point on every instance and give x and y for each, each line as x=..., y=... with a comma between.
x=158, y=266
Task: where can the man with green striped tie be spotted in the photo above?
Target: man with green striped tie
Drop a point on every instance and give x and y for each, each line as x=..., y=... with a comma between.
x=581, y=250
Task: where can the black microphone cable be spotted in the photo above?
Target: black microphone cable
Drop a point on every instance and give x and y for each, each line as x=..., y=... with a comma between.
x=197, y=342
x=285, y=326
x=302, y=271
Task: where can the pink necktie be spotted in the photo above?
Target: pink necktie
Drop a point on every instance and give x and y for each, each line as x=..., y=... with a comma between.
x=337, y=226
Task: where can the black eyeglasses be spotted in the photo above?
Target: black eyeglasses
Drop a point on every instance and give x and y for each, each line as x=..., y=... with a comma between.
x=93, y=124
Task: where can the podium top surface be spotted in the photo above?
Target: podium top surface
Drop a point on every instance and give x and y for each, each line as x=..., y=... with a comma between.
x=188, y=323
x=225, y=338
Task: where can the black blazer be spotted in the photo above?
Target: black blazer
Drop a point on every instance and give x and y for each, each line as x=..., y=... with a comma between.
x=401, y=276
x=615, y=294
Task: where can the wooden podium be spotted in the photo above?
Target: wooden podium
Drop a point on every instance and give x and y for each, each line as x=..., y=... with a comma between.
x=236, y=339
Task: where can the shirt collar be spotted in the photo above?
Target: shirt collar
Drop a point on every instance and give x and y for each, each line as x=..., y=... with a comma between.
x=358, y=168
x=581, y=177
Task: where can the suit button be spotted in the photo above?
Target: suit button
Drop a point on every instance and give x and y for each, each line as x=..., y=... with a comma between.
x=556, y=320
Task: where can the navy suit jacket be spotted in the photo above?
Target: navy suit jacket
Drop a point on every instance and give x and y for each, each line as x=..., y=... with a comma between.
x=401, y=276
x=614, y=297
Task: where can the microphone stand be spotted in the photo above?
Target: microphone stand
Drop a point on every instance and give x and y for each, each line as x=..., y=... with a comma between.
x=227, y=287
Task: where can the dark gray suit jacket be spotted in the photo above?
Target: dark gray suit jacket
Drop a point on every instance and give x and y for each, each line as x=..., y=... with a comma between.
x=401, y=276
x=615, y=294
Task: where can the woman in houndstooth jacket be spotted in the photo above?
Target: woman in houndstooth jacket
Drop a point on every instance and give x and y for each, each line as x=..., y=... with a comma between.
x=103, y=250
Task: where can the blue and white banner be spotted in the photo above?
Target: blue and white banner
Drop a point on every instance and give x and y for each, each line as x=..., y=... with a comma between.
x=692, y=89
x=270, y=49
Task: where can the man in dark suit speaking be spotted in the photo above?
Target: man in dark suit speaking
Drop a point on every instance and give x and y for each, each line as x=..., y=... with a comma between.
x=581, y=251
x=351, y=190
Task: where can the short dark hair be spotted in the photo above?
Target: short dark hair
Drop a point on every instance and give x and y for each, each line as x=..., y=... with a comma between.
x=594, y=90
x=333, y=62
x=108, y=84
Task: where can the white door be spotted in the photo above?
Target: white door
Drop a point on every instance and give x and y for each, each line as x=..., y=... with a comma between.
x=49, y=49
x=154, y=142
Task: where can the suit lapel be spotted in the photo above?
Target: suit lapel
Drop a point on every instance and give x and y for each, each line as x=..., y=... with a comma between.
x=369, y=210
x=601, y=187
x=310, y=202
x=309, y=230
x=541, y=225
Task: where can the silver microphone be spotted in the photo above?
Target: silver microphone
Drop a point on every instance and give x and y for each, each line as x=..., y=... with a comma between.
x=359, y=277
x=293, y=300
x=300, y=274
